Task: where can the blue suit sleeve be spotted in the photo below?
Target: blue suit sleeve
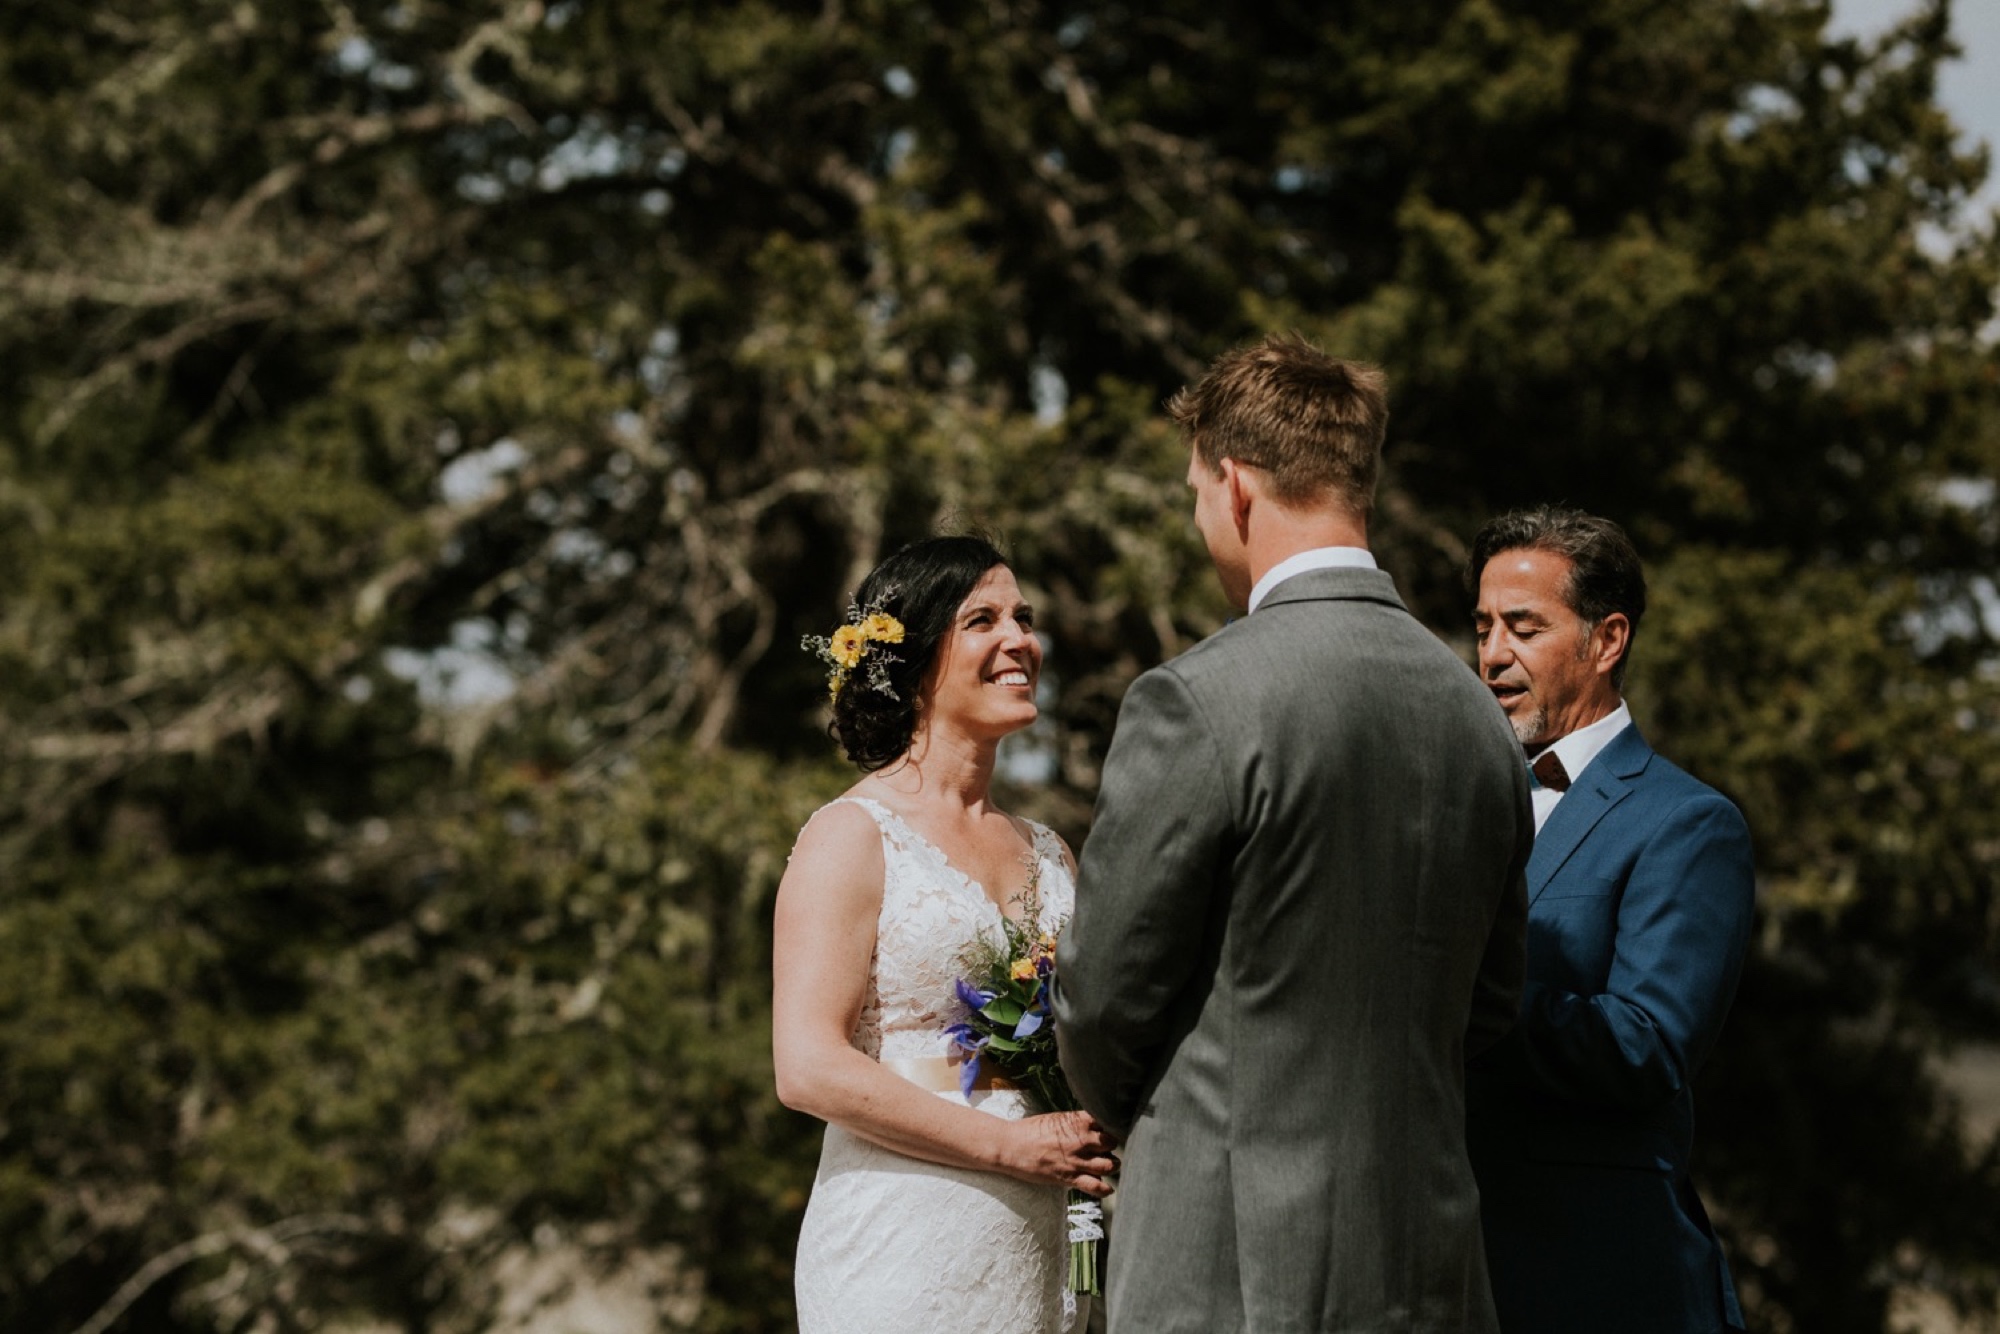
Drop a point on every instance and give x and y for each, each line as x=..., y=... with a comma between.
x=1682, y=928
x=1145, y=894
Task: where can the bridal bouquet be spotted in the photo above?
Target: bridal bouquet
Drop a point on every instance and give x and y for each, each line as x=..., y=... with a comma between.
x=1007, y=1022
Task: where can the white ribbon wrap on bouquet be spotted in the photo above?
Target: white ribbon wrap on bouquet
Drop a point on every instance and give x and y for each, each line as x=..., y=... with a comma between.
x=1086, y=1221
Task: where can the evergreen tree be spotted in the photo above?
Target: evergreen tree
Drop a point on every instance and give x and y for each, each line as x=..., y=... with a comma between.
x=426, y=431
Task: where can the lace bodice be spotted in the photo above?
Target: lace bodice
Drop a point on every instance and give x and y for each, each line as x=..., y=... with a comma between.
x=933, y=916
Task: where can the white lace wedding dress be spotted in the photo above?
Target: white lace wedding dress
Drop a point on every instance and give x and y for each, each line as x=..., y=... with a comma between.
x=895, y=1245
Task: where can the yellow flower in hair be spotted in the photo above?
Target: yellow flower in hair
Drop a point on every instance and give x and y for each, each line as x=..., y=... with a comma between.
x=849, y=642
x=882, y=628
x=855, y=644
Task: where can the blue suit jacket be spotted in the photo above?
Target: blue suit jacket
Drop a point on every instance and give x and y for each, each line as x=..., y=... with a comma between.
x=1581, y=1122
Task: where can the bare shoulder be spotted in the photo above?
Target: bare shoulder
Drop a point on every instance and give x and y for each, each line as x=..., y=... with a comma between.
x=841, y=843
x=843, y=823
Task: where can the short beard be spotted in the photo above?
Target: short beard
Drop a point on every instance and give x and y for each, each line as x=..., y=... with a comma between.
x=1530, y=728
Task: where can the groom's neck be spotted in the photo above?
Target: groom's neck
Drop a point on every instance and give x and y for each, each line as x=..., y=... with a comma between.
x=1279, y=532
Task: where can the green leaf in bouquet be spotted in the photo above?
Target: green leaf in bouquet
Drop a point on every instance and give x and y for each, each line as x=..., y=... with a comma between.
x=1003, y=1010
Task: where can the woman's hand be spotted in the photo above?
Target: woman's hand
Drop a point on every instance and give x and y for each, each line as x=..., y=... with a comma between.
x=1061, y=1148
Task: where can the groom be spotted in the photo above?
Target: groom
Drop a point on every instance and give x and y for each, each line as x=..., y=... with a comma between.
x=1301, y=906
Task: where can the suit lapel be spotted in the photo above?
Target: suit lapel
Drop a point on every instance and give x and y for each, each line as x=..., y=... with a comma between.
x=1604, y=782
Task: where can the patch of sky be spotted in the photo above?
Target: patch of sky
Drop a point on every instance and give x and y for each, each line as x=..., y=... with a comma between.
x=899, y=81
x=1956, y=611
x=1049, y=392
x=655, y=203
x=1795, y=362
x=480, y=188
x=1863, y=166
x=1968, y=493
x=626, y=425
x=1974, y=498
x=355, y=55
x=1806, y=362
x=1760, y=105
x=661, y=362
x=474, y=477
x=591, y=153
x=1072, y=33
x=1292, y=179
x=559, y=15
x=897, y=149
x=464, y=673
x=577, y=546
x=358, y=55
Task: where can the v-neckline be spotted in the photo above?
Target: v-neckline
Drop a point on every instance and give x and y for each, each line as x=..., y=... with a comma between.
x=976, y=887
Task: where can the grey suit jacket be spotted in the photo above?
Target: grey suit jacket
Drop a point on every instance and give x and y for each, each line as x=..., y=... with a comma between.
x=1301, y=907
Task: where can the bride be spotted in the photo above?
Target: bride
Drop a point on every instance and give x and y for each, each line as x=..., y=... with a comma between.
x=934, y=1209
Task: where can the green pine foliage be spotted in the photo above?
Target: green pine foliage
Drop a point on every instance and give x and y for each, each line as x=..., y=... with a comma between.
x=426, y=431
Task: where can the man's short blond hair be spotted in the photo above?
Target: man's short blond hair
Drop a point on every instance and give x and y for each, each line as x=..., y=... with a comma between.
x=1312, y=422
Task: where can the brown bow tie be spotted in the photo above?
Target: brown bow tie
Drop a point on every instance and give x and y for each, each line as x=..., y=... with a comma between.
x=1549, y=772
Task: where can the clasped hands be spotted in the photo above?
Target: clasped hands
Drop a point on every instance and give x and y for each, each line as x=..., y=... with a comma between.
x=1062, y=1148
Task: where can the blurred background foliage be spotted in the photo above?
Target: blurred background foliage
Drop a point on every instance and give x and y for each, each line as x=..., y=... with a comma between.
x=427, y=429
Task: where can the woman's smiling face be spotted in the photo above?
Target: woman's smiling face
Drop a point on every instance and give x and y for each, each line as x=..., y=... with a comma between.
x=983, y=681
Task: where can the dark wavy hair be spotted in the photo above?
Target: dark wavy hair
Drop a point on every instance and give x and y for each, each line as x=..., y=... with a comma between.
x=922, y=586
x=1605, y=575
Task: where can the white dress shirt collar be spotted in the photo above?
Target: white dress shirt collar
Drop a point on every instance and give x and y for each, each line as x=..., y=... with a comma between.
x=1576, y=751
x=1319, y=558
